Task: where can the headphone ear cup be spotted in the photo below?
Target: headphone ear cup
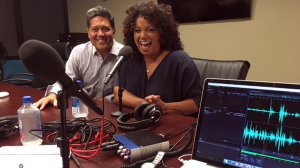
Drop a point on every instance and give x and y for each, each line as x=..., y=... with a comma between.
x=8, y=125
x=152, y=111
x=139, y=110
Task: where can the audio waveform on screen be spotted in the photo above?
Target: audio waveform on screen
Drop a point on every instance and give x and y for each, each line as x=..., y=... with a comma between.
x=282, y=112
x=279, y=138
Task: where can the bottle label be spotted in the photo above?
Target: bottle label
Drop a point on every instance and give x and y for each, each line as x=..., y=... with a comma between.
x=75, y=105
x=38, y=120
x=79, y=109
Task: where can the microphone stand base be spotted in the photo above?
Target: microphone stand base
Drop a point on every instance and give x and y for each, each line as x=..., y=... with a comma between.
x=117, y=113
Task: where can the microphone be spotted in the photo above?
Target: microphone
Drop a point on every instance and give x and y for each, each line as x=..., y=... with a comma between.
x=123, y=55
x=44, y=61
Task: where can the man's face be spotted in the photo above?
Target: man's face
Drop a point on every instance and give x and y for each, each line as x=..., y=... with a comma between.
x=101, y=34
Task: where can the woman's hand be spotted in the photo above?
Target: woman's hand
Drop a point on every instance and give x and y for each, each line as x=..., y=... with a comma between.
x=155, y=99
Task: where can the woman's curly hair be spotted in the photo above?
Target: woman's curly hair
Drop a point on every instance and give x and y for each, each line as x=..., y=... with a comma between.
x=158, y=14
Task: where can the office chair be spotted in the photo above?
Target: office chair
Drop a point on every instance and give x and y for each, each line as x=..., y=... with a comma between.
x=228, y=69
x=3, y=52
x=63, y=49
x=1, y=70
x=20, y=79
x=2, y=62
x=28, y=79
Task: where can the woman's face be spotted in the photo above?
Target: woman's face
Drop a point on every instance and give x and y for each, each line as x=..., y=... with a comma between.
x=146, y=37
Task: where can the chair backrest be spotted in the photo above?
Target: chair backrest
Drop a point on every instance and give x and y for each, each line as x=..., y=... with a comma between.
x=1, y=72
x=228, y=69
x=26, y=79
x=3, y=53
x=63, y=49
x=20, y=79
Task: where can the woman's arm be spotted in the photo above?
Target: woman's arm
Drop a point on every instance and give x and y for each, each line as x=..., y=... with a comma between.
x=184, y=107
x=128, y=99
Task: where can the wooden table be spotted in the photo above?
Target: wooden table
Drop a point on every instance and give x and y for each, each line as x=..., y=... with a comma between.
x=105, y=159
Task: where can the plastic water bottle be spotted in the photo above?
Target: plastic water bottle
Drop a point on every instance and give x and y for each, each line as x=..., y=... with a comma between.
x=29, y=119
x=79, y=109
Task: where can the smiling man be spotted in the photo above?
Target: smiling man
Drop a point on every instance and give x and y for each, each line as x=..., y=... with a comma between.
x=91, y=61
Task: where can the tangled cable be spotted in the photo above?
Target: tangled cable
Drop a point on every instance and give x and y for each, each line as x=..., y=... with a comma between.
x=85, y=136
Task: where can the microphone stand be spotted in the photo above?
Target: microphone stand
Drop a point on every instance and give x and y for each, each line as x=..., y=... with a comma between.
x=63, y=141
x=120, y=95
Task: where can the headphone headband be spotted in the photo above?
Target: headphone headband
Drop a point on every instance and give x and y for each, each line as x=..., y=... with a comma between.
x=145, y=116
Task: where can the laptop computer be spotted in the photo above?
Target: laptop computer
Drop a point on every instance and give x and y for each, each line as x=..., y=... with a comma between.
x=248, y=124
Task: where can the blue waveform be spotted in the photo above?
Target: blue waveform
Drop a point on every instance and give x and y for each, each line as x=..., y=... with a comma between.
x=279, y=138
x=283, y=113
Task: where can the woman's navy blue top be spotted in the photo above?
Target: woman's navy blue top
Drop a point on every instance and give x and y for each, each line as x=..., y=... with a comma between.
x=175, y=79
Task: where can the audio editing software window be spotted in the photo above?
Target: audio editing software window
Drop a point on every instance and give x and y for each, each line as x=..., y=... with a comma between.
x=257, y=126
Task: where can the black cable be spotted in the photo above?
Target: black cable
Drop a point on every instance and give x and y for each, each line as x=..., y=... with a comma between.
x=169, y=134
x=89, y=137
x=74, y=158
x=171, y=153
x=90, y=129
x=110, y=147
x=80, y=127
x=77, y=124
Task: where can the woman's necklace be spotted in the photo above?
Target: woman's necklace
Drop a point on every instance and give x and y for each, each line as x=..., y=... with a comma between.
x=156, y=61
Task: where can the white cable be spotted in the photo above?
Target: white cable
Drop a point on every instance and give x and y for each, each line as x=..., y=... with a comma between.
x=180, y=158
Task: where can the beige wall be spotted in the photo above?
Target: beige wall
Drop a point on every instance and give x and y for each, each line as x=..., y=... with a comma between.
x=78, y=8
x=270, y=40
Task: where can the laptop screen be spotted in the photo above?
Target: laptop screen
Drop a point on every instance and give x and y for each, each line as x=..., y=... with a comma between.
x=249, y=124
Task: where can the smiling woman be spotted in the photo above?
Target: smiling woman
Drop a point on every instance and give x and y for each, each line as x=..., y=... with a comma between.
x=159, y=72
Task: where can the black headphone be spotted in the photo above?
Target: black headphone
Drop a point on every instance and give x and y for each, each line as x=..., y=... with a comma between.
x=145, y=116
x=8, y=125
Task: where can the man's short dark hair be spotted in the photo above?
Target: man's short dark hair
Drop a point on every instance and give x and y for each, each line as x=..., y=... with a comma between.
x=100, y=11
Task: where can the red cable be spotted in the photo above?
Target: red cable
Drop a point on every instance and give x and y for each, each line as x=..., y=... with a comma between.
x=93, y=152
x=49, y=135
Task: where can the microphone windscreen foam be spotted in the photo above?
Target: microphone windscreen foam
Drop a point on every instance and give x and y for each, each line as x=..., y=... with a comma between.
x=126, y=52
x=42, y=60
